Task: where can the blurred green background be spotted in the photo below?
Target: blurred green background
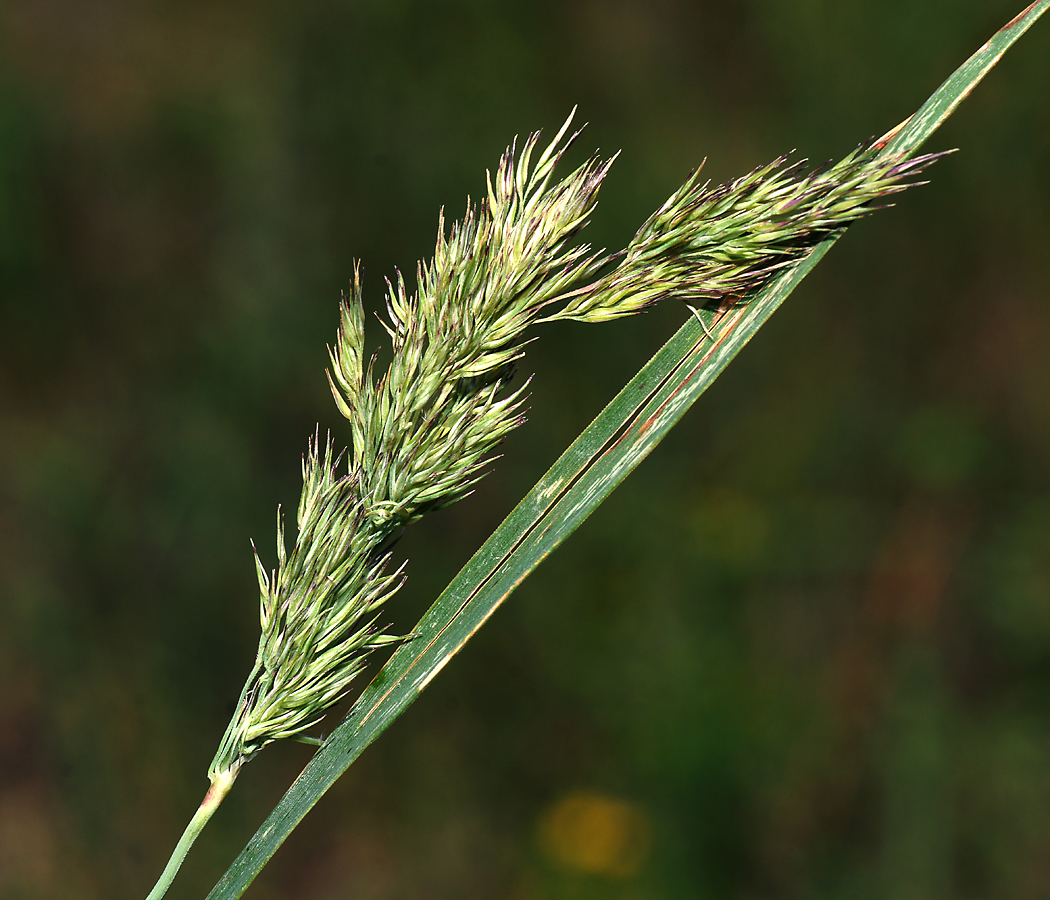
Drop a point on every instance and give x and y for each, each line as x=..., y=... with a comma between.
x=803, y=652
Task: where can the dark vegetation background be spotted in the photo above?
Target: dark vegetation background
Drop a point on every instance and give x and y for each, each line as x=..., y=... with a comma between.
x=803, y=652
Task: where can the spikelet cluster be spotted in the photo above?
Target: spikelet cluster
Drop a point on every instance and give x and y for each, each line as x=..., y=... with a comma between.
x=709, y=245
x=422, y=435
x=424, y=431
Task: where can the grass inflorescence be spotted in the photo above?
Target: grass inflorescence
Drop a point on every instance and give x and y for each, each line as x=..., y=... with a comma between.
x=424, y=431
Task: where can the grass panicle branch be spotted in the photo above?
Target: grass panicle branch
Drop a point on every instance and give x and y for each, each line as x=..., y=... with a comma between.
x=709, y=245
x=422, y=433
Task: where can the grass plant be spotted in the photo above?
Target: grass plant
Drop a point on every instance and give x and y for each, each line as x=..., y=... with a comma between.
x=424, y=431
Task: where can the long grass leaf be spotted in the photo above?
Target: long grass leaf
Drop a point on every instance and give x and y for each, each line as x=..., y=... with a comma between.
x=623, y=434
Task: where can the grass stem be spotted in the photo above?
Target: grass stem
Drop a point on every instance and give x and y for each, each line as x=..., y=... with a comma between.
x=220, y=787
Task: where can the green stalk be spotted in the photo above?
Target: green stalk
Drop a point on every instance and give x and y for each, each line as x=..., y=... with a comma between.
x=220, y=787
